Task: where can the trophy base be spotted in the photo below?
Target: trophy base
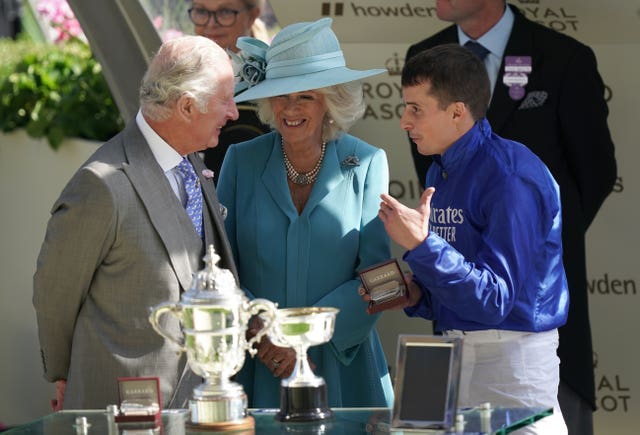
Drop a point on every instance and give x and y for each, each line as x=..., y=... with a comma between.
x=247, y=424
x=303, y=404
x=224, y=410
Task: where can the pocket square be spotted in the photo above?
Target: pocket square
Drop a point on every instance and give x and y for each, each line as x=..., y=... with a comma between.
x=533, y=99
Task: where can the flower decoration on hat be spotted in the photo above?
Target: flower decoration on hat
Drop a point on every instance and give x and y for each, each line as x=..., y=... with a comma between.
x=249, y=65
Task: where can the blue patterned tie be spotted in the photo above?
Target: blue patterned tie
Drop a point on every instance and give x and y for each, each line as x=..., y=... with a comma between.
x=194, y=194
x=477, y=48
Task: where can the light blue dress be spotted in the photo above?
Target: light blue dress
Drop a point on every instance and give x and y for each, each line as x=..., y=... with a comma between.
x=312, y=259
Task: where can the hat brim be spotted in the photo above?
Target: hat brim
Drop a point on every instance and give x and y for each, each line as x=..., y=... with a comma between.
x=304, y=82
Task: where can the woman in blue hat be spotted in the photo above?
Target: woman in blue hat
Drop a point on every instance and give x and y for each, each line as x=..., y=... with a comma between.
x=302, y=205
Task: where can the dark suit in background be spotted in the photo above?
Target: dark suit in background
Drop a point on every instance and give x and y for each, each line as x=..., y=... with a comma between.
x=563, y=119
x=246, y=127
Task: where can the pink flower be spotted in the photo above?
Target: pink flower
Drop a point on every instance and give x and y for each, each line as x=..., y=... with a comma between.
x=165, y=34
x=158, y=22
x=61, y=19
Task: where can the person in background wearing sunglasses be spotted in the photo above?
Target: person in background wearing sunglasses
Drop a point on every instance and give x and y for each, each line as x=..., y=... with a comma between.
x=224, y=21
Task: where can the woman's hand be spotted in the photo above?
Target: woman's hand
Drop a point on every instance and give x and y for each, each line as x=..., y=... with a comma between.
x=279, y=360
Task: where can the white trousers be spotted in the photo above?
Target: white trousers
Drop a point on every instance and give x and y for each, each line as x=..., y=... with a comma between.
x=512, y=369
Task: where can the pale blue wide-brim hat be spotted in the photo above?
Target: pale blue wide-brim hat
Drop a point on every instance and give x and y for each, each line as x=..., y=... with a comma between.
x=302, y=57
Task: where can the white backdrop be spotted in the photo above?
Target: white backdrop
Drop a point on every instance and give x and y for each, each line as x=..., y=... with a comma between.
x=374, y=33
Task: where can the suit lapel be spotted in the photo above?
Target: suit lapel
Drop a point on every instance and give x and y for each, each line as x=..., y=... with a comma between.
x=163, y=207
x=217, y=237
x=520, y=44
x=448, y=35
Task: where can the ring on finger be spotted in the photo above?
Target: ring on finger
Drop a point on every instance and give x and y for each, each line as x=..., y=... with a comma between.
x=275, y=363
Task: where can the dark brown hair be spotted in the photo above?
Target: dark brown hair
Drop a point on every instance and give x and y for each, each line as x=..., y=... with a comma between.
x=454, y=73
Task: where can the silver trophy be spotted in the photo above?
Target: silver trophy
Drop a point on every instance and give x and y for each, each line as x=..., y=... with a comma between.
x=303, y=395
x=213, y=317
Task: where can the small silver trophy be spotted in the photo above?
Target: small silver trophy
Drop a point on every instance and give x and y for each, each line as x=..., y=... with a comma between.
x=213, y=317
x=303, y=395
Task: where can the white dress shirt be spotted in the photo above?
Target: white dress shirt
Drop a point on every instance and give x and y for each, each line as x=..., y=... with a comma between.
x=495, y=40
x=166, y=156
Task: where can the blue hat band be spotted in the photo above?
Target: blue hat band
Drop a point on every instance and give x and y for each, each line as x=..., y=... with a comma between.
x=307, y=65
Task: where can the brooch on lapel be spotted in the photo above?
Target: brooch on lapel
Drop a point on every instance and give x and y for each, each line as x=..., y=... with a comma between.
x=223, y=211
x=516, y=72
x=208, y=174
x=351, y=161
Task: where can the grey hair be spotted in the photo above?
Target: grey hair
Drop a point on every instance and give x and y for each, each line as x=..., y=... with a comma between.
x=182, y=66
x=345, y=105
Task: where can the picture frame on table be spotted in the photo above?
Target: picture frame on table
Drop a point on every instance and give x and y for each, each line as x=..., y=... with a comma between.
x=427, y=382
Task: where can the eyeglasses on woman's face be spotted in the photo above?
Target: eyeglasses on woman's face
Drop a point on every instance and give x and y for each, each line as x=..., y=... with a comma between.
x=223, y=17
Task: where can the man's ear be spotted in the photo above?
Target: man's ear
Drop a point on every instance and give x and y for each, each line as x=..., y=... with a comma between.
x=458, y=109
x=186, y=107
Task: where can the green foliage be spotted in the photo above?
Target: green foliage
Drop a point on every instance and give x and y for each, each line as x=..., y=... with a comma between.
x=55, y=91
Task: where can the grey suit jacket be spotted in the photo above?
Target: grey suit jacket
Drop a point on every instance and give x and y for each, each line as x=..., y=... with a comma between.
x=118, y=242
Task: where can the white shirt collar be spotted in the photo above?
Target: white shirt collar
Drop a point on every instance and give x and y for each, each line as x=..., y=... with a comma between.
x=166, y=156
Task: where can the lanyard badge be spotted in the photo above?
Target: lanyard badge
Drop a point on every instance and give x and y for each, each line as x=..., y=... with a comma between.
x=516, y=71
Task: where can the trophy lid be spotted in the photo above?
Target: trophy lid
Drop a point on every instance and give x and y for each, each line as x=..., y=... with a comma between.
x=212, y=285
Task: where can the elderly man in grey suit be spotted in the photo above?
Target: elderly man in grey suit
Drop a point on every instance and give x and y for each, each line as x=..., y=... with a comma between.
x=120, y=239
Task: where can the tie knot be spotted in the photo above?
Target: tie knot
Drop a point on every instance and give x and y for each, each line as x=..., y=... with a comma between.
x=477, y=48
x=186, y=169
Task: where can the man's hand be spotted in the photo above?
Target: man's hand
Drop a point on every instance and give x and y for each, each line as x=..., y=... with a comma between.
x=58, y=402
x=406, y=226
x=415, y=293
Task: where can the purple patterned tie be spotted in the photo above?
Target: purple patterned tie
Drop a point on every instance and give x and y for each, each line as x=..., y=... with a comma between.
x=194, y=194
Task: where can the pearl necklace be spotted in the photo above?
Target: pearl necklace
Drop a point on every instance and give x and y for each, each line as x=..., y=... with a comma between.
x=296, y=176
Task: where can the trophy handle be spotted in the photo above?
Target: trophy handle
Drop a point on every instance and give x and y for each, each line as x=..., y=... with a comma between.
x=267, y=310
x=154, y=318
